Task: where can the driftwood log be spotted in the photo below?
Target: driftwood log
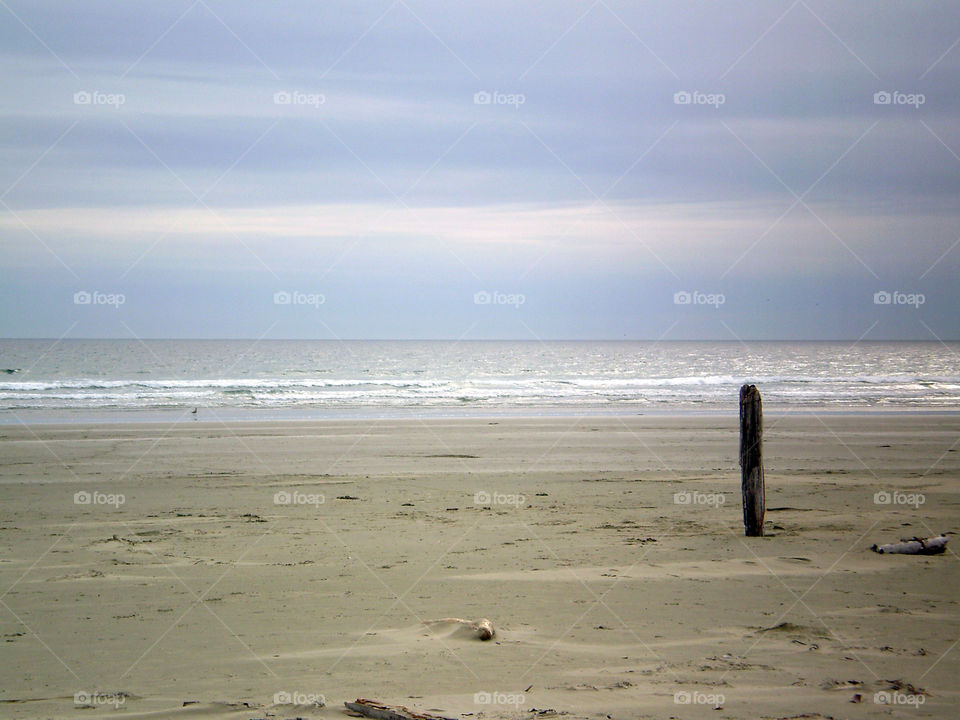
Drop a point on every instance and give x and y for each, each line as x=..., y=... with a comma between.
x=751, y=461
x=482, y=628
x=916, y=546
x=379, y=711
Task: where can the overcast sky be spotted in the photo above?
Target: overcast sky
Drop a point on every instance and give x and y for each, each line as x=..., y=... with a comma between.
x=549, y=169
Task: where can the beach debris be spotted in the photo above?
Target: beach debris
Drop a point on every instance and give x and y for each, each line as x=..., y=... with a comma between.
x=483, y=628
x=751, y=461
x=786, y=627
x=900, y=685
x=117, y=538
x=622, y=685
x=831, y=684
x=380, y=711
x=914, y=546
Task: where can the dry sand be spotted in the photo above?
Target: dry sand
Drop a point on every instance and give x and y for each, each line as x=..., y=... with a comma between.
x=199, y=595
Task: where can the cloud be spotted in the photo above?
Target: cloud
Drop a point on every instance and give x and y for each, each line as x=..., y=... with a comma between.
x=721, y=241
x=599, y=173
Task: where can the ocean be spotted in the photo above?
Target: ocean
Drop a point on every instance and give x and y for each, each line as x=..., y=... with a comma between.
x=108, y=380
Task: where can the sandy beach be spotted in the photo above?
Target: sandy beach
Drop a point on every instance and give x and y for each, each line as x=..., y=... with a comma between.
x=247, y=569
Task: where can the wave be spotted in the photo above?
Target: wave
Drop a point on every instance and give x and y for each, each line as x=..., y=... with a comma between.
x=223, y=383
x=268, y=384
x=482, y=391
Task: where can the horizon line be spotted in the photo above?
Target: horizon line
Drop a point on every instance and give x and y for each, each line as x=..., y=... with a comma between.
x=465, y=340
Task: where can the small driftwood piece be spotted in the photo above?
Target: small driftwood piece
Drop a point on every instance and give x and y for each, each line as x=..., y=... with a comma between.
x=379, y=711
x=916, y=546
x=482, y=628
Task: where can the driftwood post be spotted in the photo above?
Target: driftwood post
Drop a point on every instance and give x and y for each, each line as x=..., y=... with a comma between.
x=751, y=460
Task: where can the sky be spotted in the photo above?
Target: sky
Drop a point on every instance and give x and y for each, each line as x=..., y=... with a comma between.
x=468, y=170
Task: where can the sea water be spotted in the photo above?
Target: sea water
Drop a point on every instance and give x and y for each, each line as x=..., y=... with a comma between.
x=47, y=380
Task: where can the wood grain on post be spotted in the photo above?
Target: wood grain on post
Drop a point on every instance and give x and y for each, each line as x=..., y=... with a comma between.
x=751, y=460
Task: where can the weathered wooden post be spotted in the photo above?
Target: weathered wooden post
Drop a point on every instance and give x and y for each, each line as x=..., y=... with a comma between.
x=751, y=461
